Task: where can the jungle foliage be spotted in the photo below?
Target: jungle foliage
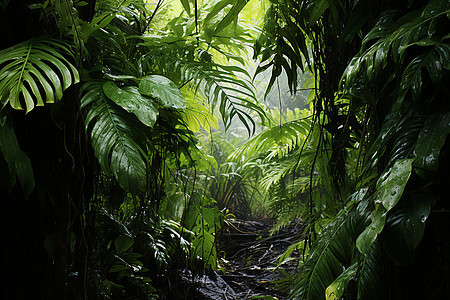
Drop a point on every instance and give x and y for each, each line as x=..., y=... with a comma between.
x=380, y=122
x=117, y=173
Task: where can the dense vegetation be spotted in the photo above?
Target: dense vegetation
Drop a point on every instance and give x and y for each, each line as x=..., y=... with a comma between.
x=116, y=171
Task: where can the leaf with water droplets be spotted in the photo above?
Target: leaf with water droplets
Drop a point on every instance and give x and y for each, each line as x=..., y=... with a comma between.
x=132, y=101
x=391, y=184
x=429, y=144
x=405, y=227
x=368, y=236
x=163, y=90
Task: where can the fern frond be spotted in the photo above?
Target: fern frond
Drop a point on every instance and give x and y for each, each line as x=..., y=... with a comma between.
x=274, y=142
x=224, y=87
x=35, y=72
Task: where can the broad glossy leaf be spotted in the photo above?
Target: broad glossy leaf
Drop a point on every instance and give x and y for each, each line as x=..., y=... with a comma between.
x=123, y=243
x=132, y=101
x=336, y=289
x=391, y=184
x=116, y=137
x=405, y=227
x=163, y=90
x=430, y=141
x=368, y=236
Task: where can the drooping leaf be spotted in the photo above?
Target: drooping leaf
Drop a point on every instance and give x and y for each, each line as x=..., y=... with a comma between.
x=132, y=101
x=163, y=90
x=336, y=289
x=368, y=236
x=123, y=243
x=391, y=184
x=231, y=15
x=19, y=164
x=390, y=188
x=405, y=227
x=116, y=137
x=430, y=141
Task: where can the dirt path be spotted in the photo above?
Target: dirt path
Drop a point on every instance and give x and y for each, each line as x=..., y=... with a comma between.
x=252, y=255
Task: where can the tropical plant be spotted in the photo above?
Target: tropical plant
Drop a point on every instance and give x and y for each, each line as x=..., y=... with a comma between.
x=372, y=125
x=129, y=86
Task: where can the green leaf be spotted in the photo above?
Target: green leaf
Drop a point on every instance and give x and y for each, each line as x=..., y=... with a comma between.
x=391, y=184
x=333, y=250
x=186, y=6
x=132, y=101
x=18, y=162
x=231, y=15
x=317, y=8
x=163, y=90
x=429, y=144
x=368, y=236
x=117, y=139
x=123, y=243
x=390, y=188
x=33, y=67
x=336, y=289
x=405, y=227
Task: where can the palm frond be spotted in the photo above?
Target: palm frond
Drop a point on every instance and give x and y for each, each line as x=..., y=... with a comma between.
x=276, y=141
x=225, y=87
x=35, y=72
x=332, y=253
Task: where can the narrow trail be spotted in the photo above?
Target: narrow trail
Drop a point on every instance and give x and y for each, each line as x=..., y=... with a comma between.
x=253, y=255
x=250, y=255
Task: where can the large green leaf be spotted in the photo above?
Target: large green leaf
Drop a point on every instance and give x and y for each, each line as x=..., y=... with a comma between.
x=336, y=289
x=429, y=144
x=18, y=162
x=390, y=188
x=132, y=101
x=334, y=250
x=405, y=227
x=35, y=72
x=117, y=138
x=163, y=90
x=224, y=86
x=369, y=235
x=391, y=184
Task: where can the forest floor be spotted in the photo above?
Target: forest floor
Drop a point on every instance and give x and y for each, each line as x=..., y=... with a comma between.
x=253, y=255
x=250, y=258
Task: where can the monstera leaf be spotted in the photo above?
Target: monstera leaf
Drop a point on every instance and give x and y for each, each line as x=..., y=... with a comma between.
x=117, y=138
x=35, y=72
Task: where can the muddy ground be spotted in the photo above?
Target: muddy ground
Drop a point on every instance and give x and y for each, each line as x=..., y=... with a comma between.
x=250, y=258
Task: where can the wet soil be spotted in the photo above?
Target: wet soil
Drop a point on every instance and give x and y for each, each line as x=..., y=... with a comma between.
x=253, y=256
x=249, y=265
